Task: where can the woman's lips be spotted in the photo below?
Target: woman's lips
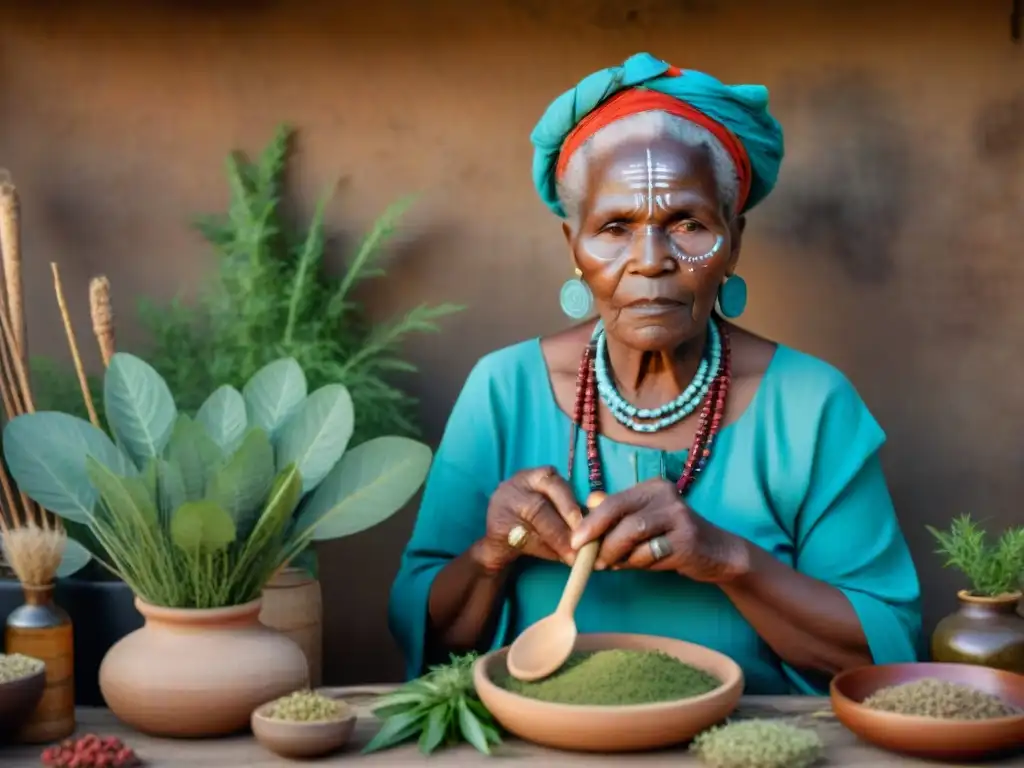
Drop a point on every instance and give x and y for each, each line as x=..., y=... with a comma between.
x=654, y=306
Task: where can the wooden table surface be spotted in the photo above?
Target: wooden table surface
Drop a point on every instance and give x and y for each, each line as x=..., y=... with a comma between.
x=843, y=748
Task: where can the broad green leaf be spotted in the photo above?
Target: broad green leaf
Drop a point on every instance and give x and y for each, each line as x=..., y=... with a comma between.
x=46, y=454
x=307, y=561
x=195, y=455
x=370, y=483
x=170, y=490
x=471, y=730
x=395, y=730
x=274, y=393
x=223, y=417
x=139, y=407
x=316, y=435
x=75, y=558
x=202, y=526
x=281, y=501
x=125, y=497
x=435, y=729
x=242, y=483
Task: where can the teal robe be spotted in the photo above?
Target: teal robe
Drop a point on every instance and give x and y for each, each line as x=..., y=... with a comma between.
x=798, y=474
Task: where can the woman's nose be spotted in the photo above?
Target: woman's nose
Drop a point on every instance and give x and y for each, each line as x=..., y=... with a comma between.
x=651, y=252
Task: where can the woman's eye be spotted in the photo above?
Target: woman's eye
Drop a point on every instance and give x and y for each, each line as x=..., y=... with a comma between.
x=689, y=226
x=615, y=228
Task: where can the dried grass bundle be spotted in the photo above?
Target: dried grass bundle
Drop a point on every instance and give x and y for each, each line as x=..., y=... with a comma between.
x=34, y=552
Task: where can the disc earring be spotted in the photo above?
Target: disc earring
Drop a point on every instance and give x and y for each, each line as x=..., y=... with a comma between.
x=576, y=299
x=732, y=297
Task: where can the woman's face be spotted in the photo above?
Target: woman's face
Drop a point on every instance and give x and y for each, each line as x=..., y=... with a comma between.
x=654, y=241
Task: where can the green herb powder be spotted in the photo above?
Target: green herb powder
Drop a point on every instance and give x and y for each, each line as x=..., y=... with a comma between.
x=615, y=678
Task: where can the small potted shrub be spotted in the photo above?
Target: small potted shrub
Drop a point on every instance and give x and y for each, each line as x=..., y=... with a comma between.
x=986, y=629
x=196, y=516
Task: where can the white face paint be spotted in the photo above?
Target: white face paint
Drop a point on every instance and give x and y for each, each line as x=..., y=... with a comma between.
x=649, y=181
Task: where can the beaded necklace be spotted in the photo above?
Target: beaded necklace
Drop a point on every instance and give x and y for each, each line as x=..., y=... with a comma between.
x=585, y=412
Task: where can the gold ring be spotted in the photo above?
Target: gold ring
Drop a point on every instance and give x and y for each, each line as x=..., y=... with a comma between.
x=517, y=537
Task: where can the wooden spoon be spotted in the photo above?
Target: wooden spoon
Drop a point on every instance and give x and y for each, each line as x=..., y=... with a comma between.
x=543, y=648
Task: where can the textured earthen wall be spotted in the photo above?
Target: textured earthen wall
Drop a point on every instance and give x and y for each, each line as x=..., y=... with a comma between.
x=893, y=246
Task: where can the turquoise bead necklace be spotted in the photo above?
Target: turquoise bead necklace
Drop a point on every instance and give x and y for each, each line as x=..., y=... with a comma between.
x=650, y=420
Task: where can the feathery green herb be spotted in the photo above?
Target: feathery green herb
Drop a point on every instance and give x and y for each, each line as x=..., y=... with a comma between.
x=438, y=710
x=991, y=568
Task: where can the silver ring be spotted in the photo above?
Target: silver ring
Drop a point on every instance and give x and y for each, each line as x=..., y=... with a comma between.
x=660, y=548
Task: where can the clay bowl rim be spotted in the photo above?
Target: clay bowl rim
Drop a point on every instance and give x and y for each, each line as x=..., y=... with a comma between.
x=734, y=678
x=917, y=721
x=26, y=681
x=30, y=687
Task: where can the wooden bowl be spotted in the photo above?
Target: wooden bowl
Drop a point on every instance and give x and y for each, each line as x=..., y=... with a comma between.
x=631, y=728
x=18, y=699
x=297, y=740
x=929, y=737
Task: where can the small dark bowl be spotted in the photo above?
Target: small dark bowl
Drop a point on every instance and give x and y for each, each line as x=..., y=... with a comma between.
x=930, y=737
x=18, y=700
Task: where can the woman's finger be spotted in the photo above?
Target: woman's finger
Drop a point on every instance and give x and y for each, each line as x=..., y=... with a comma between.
x=540, y=516
x=554, y=486
x=607, y=515
x=630, y=533
x=655, y=554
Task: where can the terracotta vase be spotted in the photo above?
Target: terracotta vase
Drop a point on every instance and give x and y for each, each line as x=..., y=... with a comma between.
x=293, y=605
x=986, y=631
x=192, y=673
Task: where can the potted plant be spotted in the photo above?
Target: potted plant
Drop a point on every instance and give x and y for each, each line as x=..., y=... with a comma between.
x=270, y=297
x=196, y=515
x=986, y=629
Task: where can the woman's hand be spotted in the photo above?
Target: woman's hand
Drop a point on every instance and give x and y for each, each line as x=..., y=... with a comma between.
x=649, y=527
x=532, y=513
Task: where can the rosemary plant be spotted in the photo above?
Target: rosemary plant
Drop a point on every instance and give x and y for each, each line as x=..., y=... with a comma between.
x=991, y=568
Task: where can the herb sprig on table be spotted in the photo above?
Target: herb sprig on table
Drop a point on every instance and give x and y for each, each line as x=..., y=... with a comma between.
x=440, y=709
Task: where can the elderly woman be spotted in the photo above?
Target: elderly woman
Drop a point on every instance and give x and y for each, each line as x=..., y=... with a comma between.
x=747, y=510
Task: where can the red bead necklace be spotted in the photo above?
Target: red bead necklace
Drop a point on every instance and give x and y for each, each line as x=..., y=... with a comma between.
x=585, y=417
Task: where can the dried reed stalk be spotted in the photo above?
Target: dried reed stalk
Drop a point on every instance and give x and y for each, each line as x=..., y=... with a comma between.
x=10, y=245
x=69, y=331
x=102, y=312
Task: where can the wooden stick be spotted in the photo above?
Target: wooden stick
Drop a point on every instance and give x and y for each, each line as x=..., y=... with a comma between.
x=69, y=331
x=10, y=243
x=102, y=313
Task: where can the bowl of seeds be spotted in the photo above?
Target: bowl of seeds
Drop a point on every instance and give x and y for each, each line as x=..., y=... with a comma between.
x=616, y=693
x=304, y=724
x=935, y=711
x=22, y=679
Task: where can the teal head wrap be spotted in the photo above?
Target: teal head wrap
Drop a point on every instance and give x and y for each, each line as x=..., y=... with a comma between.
x=742, y=109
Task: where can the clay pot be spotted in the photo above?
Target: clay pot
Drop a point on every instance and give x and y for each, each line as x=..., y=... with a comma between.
x=293, y=605
x=191, y=673
x=985, y=631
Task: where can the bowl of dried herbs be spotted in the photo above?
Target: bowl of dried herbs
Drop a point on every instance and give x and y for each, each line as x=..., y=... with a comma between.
x=935, y=711
x=22, y=679
x=616, y=693
x=304, y=724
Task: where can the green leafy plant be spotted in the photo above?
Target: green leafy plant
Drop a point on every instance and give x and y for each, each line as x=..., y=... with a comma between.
x=991, y=568
x=272, y=297
x=438, y=710
x=201, y=512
